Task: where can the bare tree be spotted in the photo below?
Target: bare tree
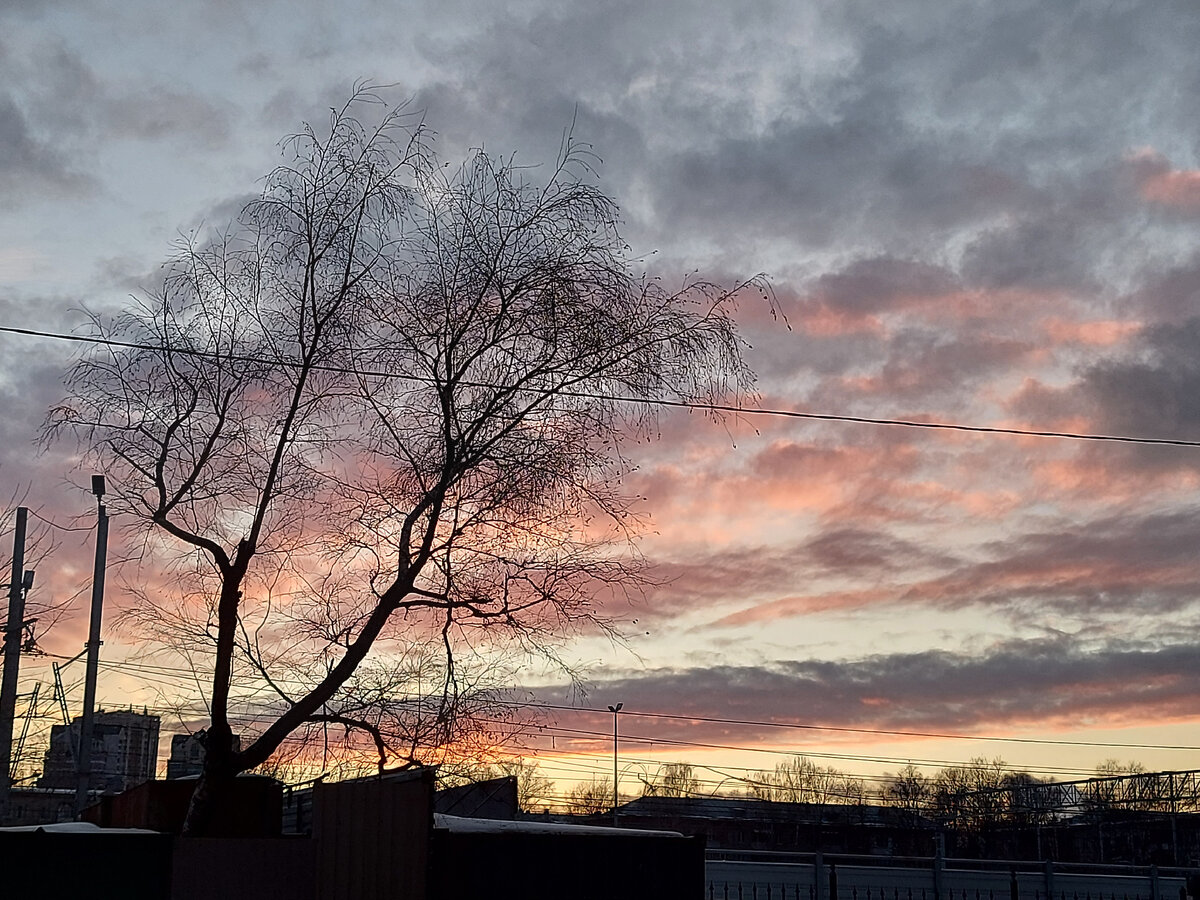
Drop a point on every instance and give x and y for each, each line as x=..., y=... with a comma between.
x=674, y=779
x=590, y=798
x=800, y=780
x=535, y=792
x=970, y=797
x=1126, y=785
x=385, y=407
x=908, y=790
x=984, y=796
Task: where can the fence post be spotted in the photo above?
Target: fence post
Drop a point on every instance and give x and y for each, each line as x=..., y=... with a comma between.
x=819, y=876
x=1048, y=874
x=1014, y=889
x=1154, y=893
x=939, y=866
x=833, y=882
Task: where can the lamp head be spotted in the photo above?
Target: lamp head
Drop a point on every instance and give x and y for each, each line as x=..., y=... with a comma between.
x=98, y=486
x=27, y=581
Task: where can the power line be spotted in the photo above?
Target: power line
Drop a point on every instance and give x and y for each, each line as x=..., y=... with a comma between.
x=567, y=762
x=841, y=757
x=646, y=401
x=870, y=731
x=165, y=671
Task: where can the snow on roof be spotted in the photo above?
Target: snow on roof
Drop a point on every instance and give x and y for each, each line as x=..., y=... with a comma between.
x=75, y=828
x=461, y=824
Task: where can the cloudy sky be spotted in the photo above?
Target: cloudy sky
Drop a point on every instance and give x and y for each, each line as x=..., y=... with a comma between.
x=972, y=212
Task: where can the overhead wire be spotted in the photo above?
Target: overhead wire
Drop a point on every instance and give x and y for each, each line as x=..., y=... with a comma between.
x=842, y=757
x=165, y=670
x=578, y=763
x=170, y=676
x=871, y=731
x=646, y=401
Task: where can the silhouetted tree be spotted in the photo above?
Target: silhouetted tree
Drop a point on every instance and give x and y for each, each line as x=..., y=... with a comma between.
x=673, y=779
x=386, y=405
x=909, y=790
x=800, y=780
x=986, y=794
x=590, y=798
x=1118, y=785
x=535, y=792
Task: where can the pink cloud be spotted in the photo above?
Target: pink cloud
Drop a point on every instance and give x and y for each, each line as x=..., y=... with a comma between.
x=1099, y=478
x=1161, y=184
x=821, y=321
x=797, y=605
x=1096, y=333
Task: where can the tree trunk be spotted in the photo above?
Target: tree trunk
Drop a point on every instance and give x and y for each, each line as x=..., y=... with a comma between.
x=214, y=785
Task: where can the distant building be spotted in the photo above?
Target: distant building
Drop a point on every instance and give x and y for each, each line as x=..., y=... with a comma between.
x=495, y=798
x=124, y=752
x=39, y=806
x=187, y=754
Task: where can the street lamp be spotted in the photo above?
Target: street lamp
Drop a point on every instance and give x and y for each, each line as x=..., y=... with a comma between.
x=83, y=760
x=614, y=710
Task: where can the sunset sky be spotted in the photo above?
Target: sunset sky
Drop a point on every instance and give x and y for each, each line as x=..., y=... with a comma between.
x=979, y=213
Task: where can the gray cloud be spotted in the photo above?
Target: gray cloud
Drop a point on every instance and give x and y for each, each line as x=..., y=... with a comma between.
x=1151, y=390
x=880, y=283
x=872, y=554
x=1119, y=571
x=1143, y=565
x=929, y=368
x=1155, y=393
x=29, y=163
x=1051, y=682
x=738, y=575
x=160, y=113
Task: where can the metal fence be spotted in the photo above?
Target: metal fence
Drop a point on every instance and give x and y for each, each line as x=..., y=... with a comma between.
x=782, y=876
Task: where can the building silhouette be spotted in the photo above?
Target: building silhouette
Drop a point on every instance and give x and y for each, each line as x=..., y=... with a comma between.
x=124, y=752
x=187, y=754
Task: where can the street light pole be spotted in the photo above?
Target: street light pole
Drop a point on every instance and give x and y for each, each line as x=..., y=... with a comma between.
x=12, y=656
x=614, y=710
x=83, y=759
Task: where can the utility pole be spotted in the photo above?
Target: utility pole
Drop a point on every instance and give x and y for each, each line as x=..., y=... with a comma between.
x=21, y=582
x=83, y=759
x=614, y=710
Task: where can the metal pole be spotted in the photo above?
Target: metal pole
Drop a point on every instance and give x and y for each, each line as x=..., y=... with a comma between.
x=614, y=710
x=12, y=658
x=83, y=759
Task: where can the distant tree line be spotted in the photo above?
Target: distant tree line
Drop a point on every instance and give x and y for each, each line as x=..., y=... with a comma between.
x=980, y=795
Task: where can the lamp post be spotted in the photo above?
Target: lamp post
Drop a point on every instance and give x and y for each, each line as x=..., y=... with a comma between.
x=83, y=760
x=614, y=710
x=18, y=587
